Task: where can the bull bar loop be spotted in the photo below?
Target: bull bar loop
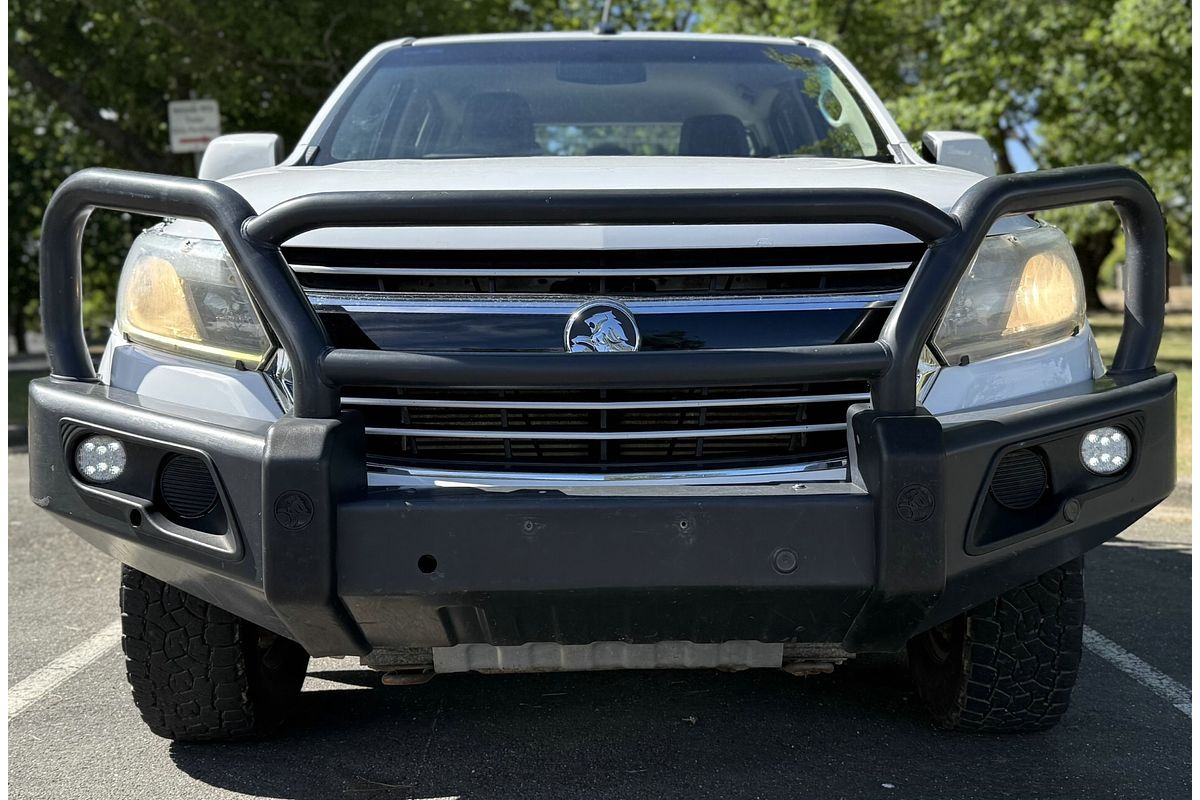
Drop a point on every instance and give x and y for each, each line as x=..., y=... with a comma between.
x=890, y=363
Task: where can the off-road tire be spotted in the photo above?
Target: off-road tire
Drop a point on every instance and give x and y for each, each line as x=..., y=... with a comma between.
x=199, y=673
x=1009, y=664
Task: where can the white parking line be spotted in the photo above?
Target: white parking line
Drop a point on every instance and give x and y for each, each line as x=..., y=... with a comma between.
x=1162, y=685
x=312, y=684
x=42, y=682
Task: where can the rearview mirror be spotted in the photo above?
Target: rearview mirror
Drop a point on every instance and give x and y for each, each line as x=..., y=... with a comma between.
x=601, y=73
x=962, y=150
x=240, y=152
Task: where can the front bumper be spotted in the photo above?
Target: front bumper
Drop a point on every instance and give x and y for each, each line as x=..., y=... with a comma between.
x=311, y=552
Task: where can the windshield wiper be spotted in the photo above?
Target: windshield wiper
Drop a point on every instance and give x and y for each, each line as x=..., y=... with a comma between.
x=881, y=158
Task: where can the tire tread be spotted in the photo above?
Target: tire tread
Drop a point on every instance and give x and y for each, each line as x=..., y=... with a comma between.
x=191, y=665
x=1019, y=658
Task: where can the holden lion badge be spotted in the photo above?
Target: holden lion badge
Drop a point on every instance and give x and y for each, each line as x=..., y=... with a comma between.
x=602, y=327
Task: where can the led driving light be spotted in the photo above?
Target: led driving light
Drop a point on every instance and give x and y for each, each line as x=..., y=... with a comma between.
x=185, y=296
x=100, y=459
x=1105, y=451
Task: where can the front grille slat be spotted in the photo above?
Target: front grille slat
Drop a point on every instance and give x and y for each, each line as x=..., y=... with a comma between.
x=707, y=272
x=704, y=402
x=686, y=433
x=583, y=430
x=575, y=272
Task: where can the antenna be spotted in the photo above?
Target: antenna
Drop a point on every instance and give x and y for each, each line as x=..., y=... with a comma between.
x=604, y=26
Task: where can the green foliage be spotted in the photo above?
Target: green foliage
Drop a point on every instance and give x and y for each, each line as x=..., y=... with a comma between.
x=1123, y=95
x=1082, y=82
x=44, y=148
x=1091, y=81
x=891, y=44
x=89, y=82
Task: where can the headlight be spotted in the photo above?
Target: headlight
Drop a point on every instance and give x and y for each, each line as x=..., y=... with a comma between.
x=1021, y=291
x=184, y=295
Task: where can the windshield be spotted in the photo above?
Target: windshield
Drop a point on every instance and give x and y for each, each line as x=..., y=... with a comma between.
x=605, y=97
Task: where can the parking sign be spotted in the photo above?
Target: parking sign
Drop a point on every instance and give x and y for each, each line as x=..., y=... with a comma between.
x=192, y=124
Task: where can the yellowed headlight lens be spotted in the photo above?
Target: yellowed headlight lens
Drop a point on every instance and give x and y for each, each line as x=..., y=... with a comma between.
x=1048, y=294
x=1021, y=291
x=156, y=303
x=184, y=296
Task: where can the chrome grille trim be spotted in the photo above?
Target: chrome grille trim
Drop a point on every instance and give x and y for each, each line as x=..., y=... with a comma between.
x=681, y=433
x=820, y=472
x=391, y=303
x=517, y=403
x=576, y=272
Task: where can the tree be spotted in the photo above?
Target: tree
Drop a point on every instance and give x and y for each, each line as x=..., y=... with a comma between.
x=1085, y=82
x=44, y=148
x=1124, y=95
x=89, y=81
x=1092, y=81
x=1072, y=83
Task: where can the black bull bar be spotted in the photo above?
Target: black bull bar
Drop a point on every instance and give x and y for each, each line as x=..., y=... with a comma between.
x=317, y=449
x=889, y=363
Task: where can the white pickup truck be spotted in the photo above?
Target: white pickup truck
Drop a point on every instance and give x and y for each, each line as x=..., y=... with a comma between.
x=577, y=351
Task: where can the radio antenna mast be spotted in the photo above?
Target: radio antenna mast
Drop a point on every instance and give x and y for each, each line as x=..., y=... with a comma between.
x=605, y=26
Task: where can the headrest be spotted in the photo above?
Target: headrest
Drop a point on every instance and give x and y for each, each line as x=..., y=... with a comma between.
x=499, y=123
x=713, y=135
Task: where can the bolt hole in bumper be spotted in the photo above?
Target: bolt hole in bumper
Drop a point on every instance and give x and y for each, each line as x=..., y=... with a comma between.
x=298, y=543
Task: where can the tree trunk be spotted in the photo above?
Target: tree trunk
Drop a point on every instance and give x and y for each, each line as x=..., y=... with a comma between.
x=998, y=139
x=16, y=324
x=1092, y=248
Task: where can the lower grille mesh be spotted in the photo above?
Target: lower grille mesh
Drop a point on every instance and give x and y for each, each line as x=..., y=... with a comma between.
x=606, y=430
x=187, y=487
x=1020, y=479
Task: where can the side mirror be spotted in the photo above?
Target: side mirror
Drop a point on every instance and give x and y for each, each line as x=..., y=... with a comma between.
x=240, y=152
x=957, y=149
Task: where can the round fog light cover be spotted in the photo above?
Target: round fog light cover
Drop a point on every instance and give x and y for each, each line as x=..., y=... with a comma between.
x=100, y=459
x=1105, y=451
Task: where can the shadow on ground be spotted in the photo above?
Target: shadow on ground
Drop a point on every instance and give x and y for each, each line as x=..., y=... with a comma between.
x=857, y=733
x=619, y=734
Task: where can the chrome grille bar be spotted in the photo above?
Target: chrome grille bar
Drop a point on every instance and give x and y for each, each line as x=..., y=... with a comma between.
x=516, y=403
x=693, y=433
x=597, y=272
x=560, y=305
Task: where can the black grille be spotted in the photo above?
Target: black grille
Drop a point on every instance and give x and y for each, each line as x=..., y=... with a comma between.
x=1020, y=479
x=186, y=487
x=606, y=431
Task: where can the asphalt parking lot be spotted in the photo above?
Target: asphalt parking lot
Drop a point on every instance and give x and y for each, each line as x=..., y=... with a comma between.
x=856, y=733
